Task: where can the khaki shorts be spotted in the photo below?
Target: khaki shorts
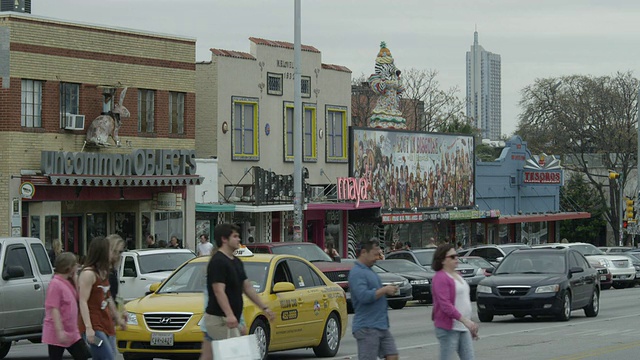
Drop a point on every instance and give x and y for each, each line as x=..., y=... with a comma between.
x=217, y=327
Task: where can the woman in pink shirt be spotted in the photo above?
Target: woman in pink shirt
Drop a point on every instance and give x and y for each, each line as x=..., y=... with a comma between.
x=452, y=306
x=60, y=328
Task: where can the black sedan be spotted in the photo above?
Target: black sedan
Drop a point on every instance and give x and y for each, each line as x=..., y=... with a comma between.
x=540, y=282
x=418, y=276
x=397, y=301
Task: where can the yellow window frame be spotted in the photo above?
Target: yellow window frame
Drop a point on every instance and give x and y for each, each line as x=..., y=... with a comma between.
x=344, y=157
x=314, y=126
x=256, y=149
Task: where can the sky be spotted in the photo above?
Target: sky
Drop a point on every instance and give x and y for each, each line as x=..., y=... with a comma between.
x=535, y=39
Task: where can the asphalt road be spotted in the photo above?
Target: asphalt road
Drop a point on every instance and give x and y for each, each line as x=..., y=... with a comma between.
x=613, y=334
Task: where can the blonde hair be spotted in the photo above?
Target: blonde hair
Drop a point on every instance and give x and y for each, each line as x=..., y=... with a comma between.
x=115, y=241
x=56, y=246
x=65, y=262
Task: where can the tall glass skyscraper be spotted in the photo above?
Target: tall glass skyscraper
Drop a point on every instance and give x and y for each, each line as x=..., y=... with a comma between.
x=483, y=90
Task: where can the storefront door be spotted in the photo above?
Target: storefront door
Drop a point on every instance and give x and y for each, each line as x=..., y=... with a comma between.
x=71, y=234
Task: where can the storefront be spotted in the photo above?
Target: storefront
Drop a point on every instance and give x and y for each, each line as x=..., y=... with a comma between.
x=80, y=195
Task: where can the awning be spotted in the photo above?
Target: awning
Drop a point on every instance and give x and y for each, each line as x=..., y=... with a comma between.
x=515, y=219
x=212, y=208
x=89, y=180
x=344, y=205
x=264, y=208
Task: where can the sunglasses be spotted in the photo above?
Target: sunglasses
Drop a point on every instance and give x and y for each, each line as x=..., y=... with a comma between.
x=452, y=257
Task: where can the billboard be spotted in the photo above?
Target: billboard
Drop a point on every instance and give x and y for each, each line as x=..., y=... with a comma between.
x=408, y=170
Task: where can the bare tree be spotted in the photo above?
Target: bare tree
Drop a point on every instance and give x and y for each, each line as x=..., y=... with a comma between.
x=363, y=101
x=583, y=117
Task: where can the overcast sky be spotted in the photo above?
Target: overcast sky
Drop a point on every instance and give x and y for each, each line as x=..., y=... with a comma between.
x=536, y=38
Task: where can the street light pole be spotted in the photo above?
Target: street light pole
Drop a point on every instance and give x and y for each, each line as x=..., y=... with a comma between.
x=298, y=198
x=621, y=189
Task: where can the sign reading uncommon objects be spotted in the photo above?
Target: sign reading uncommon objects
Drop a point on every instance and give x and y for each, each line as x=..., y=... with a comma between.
x=351, y=188
x=538, y=177
x=141, y=162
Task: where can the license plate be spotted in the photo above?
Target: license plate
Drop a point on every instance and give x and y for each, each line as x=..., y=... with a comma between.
x=603, y=278
x=159, y=339
x=397, y=293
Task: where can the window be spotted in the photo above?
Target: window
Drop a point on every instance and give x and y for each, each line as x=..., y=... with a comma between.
x=42, y=259
x=168, y=224
x=146, y=100
x=301, y=273
x=17, y=256
x=309, y=142
x=129, y=267
x=274, y=84
x=244, y=140
x=69, y=100
x=305, y=86
x=336, y=129
x=31, y=104
x=176, y=113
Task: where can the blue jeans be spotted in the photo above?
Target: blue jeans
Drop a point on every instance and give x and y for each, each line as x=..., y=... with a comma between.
x=107, y=350
x=452, y=341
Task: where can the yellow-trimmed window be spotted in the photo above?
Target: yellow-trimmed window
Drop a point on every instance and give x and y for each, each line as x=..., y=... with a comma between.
x=336, y=128
x=309, y=130
x=244, y=131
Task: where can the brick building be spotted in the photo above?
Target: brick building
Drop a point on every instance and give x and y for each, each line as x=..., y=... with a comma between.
x=57, y=77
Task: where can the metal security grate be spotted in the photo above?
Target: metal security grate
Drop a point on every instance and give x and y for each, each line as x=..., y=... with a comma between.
x=167, y=321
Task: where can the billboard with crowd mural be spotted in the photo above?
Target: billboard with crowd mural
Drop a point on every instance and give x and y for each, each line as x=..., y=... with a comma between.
x=408, y=170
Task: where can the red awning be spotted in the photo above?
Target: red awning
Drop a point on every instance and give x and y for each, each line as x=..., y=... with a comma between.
x=344, y=205
x=515, y=219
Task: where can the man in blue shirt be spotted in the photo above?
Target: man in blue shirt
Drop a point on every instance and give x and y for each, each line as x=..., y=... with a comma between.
x=370, y=323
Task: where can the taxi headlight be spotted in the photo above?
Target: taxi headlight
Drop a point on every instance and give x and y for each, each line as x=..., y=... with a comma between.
x=419, y=282
x=132, y=319
x=547, y=289
x=484, y=289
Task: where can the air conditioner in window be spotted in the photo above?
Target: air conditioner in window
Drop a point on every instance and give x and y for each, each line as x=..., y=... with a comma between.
x=74, y=122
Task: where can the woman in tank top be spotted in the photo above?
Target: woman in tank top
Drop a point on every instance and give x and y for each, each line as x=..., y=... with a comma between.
x=97, y=308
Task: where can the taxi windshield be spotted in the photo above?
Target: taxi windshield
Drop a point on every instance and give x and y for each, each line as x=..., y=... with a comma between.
x=192, y=278
x=157, y=262
x=309, y=251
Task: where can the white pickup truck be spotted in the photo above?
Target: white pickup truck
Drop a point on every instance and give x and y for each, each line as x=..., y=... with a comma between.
x=26, y=273
x=141, y=268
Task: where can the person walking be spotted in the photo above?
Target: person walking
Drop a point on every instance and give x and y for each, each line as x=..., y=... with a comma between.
x=226, y=282
x=151, y=242
x=370, y=324
x=97, y=308
x=331, y=251
x=116, y=248
x=174, y=243
x=452, y=306
x=205, y=247
x=60, y=329
x=56, y=249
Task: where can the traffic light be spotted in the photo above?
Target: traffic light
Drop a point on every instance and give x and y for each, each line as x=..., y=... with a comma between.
x=613, y=175
x=630, y=210
x=625, y=224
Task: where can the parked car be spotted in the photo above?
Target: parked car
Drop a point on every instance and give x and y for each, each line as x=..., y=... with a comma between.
x=603, y=273
x=614, y=249
x=492, y=253
x=424, y=258
x=26, y=273
x=419, y=277
x=396, y=301
x=141, y=268
x=635, y=260
x=620, y=266
x=537, y=282
x=311, y=311
x=335, y=271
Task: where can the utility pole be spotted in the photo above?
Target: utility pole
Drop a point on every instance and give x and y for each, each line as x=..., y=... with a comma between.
x=618, y=179
x=635, y=232
x=298, y=198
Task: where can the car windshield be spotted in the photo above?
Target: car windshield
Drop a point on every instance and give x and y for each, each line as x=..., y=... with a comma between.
x=311, y=252
x=587, y=249
x=157, y=262
x=477, y=262
x=528, y=263
x=398, y=266
x=375, y=268
x=192, y=278
x=425, y=257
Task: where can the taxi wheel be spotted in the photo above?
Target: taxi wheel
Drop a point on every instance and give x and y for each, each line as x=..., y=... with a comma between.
x=330, y=338
x=261, y=330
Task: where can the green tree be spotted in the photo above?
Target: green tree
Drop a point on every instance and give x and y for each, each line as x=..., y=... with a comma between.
x=578, y=195
x=581, y=117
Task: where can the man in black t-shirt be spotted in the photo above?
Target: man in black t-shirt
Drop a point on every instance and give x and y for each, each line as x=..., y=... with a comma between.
x=226, y=282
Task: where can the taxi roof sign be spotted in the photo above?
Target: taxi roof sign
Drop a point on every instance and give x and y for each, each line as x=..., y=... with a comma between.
x=243, y=251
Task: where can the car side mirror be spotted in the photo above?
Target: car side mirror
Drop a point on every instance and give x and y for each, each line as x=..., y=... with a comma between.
x=283, y=287
x=488, y=271
x=13, y=272
x=153, y=288
x=575, y=269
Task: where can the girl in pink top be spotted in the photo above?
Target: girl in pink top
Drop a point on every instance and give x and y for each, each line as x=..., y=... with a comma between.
x=60, y=328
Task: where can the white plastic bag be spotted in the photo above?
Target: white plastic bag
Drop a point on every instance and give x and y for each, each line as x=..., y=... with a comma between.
x=237, y=348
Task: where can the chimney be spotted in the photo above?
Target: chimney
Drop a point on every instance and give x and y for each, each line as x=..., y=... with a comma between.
x=22, y=6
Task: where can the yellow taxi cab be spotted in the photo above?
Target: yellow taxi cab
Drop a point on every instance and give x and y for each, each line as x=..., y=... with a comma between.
x=311, y=311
